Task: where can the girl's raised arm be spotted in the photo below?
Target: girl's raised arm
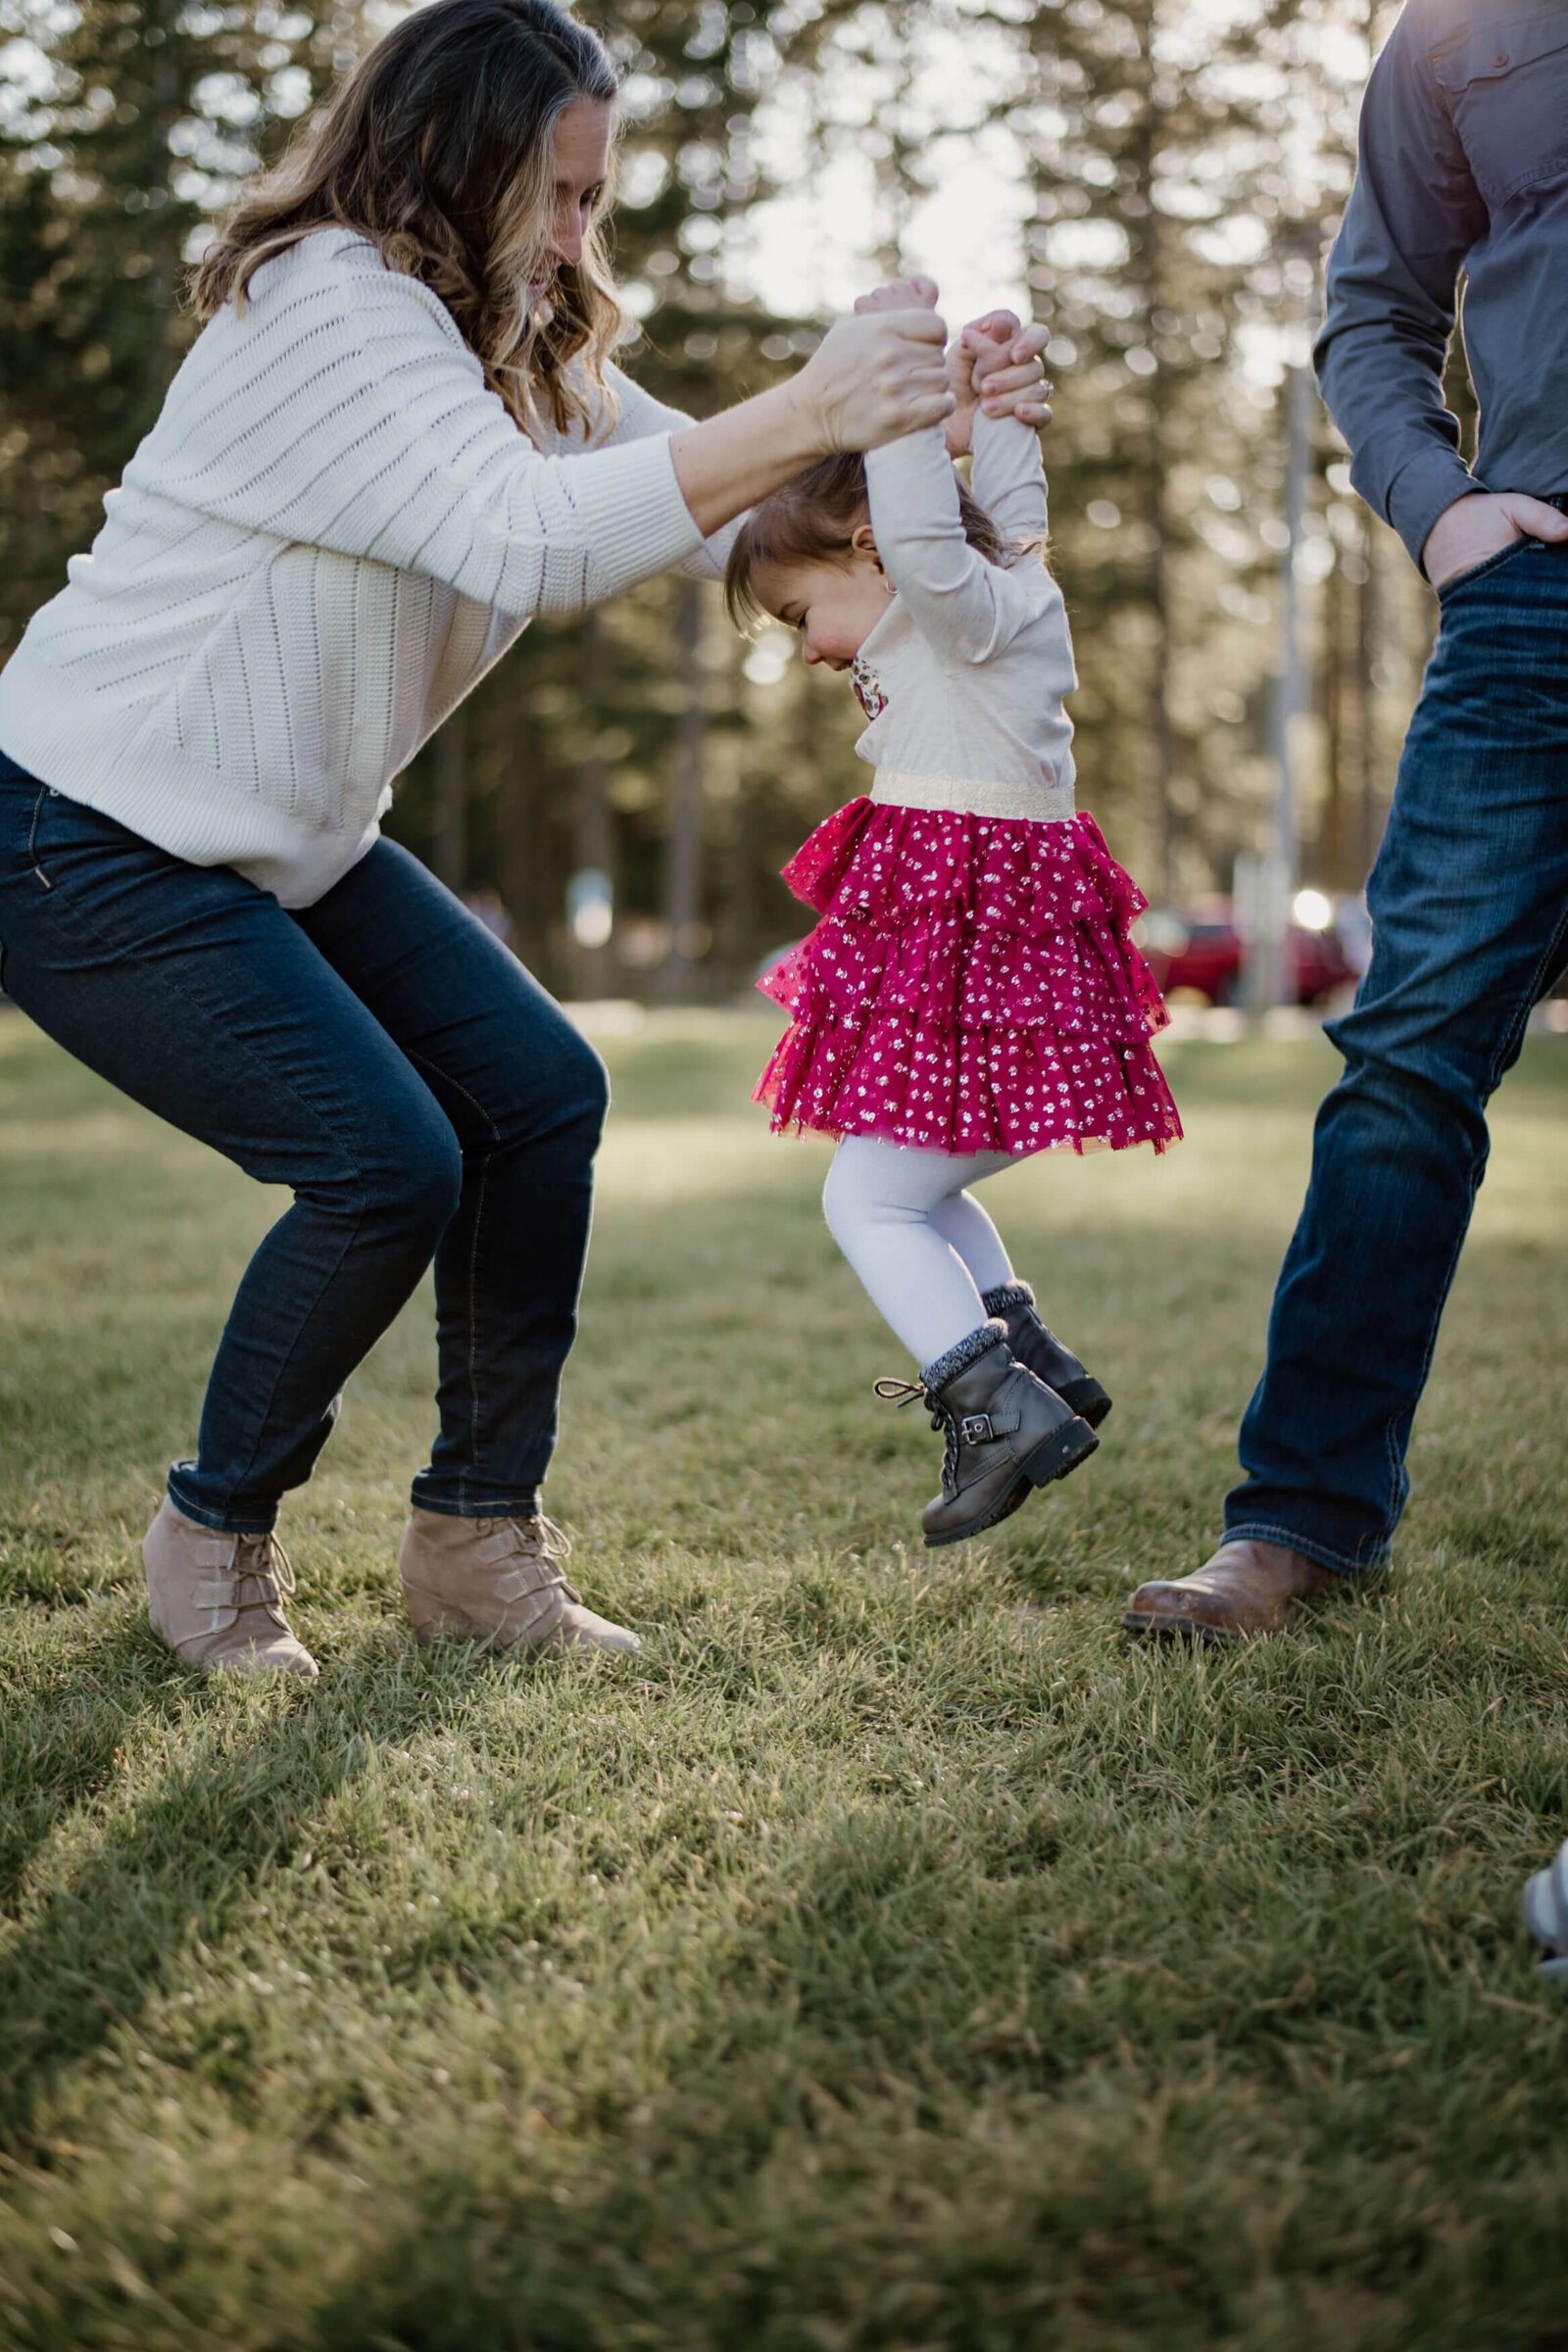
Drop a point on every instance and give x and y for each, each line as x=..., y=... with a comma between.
x=965, y=608
x=1007, y=477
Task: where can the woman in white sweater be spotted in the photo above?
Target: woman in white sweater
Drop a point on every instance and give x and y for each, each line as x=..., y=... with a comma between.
x=398, y=437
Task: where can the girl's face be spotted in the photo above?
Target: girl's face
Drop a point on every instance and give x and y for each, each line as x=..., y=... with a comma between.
x=581, y=149
x=835, y=605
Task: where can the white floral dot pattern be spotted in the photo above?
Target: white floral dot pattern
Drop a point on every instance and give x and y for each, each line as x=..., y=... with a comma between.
x=867, y=686
x=972, y=986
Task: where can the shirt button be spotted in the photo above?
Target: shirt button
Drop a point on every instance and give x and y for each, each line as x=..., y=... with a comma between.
x=1499, y=61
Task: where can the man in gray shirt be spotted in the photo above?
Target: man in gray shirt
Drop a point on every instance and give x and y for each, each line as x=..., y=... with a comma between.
x=1463, y=168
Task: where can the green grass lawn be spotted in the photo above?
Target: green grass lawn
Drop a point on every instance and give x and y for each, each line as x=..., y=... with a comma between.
x=892, y=1957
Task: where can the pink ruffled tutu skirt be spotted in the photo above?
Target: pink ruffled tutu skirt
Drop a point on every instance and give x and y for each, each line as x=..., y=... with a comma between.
x=972, y=986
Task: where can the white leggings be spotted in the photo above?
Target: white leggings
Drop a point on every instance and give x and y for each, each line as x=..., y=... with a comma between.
x=922, y=1245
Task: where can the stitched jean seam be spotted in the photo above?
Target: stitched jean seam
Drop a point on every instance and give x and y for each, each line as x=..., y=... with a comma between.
x=475, y=1401
x=1496, y=1069
x=522, y=1503
x=221, y=1526
x=1265, y=1531
x=32, y=836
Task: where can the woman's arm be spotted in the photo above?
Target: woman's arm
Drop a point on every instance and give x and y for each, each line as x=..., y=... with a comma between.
x=639, y=415
x=343, y=410
x=849, y=395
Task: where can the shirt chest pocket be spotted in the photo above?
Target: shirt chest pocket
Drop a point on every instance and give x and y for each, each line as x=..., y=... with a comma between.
x=1506, y=82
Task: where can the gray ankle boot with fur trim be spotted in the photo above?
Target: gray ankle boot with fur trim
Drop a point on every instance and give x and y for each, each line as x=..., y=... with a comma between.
x=1043, y=1353
x=1006, y=1432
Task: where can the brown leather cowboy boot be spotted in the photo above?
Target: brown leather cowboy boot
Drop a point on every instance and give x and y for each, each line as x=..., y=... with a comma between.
x=1247, y=1587
x=1006, y=1432
x=1043, y=1353
x=218, y=1600
x=499, y=1582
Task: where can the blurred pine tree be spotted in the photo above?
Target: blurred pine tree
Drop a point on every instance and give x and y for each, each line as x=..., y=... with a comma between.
x=1179, y=180
x=129, y=122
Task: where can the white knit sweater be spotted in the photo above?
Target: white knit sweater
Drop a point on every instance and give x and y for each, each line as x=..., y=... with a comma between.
x=331, y=532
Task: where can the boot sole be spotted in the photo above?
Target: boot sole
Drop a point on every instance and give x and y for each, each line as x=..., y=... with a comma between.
x=1055, y=1459
x=1087, y=1398
x=453, y=1626
x=1147, y=1621
x=1167, y=1627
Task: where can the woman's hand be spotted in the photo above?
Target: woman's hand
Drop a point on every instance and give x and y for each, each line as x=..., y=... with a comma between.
x=996, y=363
x=899, y=294
x=876, y=377
x=872, y=379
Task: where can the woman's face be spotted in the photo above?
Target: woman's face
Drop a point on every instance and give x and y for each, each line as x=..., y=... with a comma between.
x=581, y=166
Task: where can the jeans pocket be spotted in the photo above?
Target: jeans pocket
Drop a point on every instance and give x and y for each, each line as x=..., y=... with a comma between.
x=1486, y=565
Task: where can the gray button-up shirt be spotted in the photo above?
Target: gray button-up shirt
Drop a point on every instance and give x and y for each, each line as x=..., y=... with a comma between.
x=1463, y=165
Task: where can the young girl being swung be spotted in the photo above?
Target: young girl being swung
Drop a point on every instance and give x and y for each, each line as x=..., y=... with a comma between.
x=971, y=993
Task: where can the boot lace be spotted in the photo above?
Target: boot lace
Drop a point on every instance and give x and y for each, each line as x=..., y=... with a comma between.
x=910, y=1391
x=255, y=1576
x=543, y=1539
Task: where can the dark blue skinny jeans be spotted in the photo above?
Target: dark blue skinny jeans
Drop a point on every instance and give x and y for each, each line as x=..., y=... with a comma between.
x=385, y=1057
x=1469, y=902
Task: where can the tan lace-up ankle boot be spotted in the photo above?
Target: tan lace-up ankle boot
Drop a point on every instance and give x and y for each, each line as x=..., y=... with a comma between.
x=218, y=1600
x=500, y=1582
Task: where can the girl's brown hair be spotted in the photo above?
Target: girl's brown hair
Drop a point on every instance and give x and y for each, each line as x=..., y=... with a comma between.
x=813, y=520
x=439, y=148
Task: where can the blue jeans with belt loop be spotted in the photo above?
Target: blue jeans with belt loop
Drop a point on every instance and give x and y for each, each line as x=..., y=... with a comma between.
x=1469, y=904
x=388, y=1060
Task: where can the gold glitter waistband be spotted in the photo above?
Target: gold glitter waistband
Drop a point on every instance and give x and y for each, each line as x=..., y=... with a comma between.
x=1037, y=804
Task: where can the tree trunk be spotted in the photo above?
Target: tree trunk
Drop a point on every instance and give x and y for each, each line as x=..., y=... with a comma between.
x=1146, y=151
x=1273, y=980
x=1367, y=660
x=594, y=838
x=684, y=856
x=1336, y=849
x=1159, y=725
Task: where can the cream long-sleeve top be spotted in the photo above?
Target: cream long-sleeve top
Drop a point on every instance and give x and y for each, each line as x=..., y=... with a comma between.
x=331, y=532
x=962, y=678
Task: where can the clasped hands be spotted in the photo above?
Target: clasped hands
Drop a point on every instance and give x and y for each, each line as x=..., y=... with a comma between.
x=995, y=365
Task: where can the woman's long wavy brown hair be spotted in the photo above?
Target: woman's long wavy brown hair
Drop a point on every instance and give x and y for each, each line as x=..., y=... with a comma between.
x=439, y=147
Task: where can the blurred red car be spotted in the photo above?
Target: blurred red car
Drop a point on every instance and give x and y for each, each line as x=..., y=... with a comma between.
x=1201, y=950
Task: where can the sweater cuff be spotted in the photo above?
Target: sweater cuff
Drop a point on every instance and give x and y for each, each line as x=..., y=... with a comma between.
x=1422, y=490
x=635, y=521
